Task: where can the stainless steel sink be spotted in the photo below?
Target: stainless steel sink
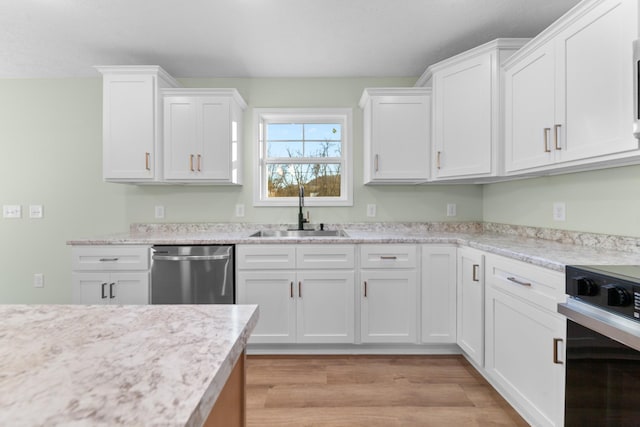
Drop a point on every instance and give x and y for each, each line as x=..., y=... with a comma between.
x=300, y=233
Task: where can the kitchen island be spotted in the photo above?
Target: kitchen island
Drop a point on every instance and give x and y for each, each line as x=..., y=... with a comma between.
x=122, y=365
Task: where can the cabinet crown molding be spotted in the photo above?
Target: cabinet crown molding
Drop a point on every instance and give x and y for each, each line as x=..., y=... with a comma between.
x=370, y=92
x=228, y=92
x=493, y=45
x=138, y=69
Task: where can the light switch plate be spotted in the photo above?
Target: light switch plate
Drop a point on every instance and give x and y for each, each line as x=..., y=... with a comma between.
x=240, y=210
x=451, y=209
x=559, y=211
x=159, y=212
x=36, y=211
x=11, y=211
x=38, y=280
x=371, y=210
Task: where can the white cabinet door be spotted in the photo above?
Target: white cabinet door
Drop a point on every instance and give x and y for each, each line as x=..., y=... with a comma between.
x=529, y=110
x=90, y=288
x=438, y=294
x=180, y=138
x=129, y=127
x=129, y=288
x=201, y=135
x=214, y=128
x=462, y=119
x=396, y=135
x=595, y=83
x=325, y=307
x=111, y=288
x=274, y=293
x=521, y=341
x=470, y=325
x=388, y=306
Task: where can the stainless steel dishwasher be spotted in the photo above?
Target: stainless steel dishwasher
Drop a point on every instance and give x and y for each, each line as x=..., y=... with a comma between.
x=192, y=275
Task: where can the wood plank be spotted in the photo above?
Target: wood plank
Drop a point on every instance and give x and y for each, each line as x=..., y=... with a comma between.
x=230, y=407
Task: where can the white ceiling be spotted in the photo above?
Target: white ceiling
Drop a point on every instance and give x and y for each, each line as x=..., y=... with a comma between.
x=256, y=38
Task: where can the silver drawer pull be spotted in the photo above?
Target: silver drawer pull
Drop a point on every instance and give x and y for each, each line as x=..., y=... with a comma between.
x=519, y=282
x=108, y=259
x=388, y=257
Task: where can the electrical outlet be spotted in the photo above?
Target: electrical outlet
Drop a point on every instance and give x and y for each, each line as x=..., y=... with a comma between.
x=371, y=210
x=159, y=212
x=36, y=211
x=451, y=209
x=559, y=211
x=11, y=211
x=38, y=280
x=240, y=210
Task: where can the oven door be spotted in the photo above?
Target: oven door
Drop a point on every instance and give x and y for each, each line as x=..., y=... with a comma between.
x=602, y=367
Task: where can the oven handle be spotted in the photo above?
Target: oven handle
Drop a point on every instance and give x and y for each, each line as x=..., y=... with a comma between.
x=610, y=325
x=190, y=257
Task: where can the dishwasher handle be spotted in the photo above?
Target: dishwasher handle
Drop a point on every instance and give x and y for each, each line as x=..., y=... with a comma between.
x=190, y=257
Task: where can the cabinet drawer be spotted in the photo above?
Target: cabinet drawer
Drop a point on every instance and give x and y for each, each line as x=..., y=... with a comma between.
x=109, y=258
x=537, y=285
x=388, y=256
x=265, y=257
x=325, y=256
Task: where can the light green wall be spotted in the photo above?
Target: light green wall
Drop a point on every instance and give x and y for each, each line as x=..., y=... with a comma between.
x=50, y=154
x=603, y=201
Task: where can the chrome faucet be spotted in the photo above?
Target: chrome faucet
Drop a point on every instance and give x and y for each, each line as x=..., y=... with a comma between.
x=301, y=219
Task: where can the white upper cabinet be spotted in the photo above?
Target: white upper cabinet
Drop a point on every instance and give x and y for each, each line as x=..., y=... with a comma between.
x=467, y=111
x=202, y=135
x=569, y=93
x=131, y=121
x=396, y=135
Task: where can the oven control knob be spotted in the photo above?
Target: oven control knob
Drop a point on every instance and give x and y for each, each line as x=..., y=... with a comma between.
x=616, y=296
x=585, y=287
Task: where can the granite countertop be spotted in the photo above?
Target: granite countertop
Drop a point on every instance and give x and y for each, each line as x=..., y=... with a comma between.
x=117, y=365
x=543, y=252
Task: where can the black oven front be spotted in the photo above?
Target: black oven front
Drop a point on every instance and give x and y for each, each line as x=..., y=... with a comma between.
x=603, y=347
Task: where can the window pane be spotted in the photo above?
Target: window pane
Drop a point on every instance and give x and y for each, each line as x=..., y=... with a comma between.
x=322, y=149
x=284, y=132
x=285, y=149
x=323, y=131
x=319, y=180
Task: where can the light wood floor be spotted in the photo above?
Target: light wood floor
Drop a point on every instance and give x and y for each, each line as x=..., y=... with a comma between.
x=371, y=391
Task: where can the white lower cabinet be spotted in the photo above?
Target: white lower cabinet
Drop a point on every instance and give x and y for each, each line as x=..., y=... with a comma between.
x=111, y=288
x=299, y=305
x=438, y=287
x=470, y=303
x=110, y=274
x=525, y=338
x=389, y=295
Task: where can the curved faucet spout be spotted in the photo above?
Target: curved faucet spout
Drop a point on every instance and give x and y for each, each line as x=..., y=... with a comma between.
x=301, y=219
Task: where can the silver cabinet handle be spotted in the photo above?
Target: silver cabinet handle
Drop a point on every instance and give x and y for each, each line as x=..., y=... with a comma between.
x=546, y=140
x=102, y=294
x=556, y=341
x=146, y=161
x=199, y=161
x=556, y=137
x=112, y=294
x=375, y=163
x=365, y=288
x=518, y=282
x=474, y=273
x=438, y=159
x=191, y=163
x=388, y=257
x=291, y=289
x=299, y=289
x=108, y=259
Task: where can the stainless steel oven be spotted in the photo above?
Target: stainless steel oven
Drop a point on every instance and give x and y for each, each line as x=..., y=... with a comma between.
x=603, y=346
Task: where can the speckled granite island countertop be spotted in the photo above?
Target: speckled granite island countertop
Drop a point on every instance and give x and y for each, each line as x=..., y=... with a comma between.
x=117, y=365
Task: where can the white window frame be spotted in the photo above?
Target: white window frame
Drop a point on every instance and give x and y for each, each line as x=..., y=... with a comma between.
x=302, y=115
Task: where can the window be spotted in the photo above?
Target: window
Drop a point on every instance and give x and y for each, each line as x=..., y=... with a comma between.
x=303, y=147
